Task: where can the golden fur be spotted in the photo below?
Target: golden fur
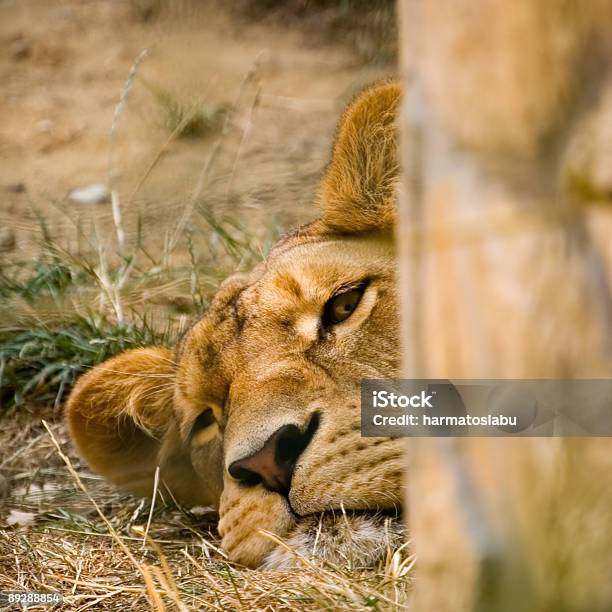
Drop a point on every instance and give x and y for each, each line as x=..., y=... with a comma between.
x=259, y=360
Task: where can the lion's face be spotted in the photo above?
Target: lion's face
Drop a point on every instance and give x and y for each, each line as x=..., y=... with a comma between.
x=263, y=417
x=277, y=364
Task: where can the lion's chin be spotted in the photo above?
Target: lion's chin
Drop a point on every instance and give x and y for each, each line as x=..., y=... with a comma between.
x=356, y=539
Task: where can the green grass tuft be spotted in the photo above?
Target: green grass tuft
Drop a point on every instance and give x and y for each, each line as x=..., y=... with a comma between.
x=187, y=119
x=42, y=362
x=41, y=278
x=51, y=332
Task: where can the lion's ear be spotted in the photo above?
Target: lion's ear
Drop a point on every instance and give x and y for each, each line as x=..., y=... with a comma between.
x=358, y=192
x=120, y=415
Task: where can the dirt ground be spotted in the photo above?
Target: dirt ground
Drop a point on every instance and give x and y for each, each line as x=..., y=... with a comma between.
x=64, y=68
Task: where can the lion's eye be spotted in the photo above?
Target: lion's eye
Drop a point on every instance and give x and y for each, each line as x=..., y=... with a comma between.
x=202, y=431
x=205, y=419
x=341, y=306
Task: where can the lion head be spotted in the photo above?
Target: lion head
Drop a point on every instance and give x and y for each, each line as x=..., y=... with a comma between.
x=256, y=410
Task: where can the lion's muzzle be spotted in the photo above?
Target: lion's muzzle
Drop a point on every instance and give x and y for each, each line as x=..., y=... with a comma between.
x=274, y=463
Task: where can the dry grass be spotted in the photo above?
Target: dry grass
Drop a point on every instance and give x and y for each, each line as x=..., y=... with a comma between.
x=68, y=310
x=89, y=544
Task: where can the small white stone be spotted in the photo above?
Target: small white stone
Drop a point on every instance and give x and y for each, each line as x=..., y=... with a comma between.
x=20, y=518
x=92, y=194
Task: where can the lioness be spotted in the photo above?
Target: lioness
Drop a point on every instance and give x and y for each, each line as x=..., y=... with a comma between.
x=256, y=411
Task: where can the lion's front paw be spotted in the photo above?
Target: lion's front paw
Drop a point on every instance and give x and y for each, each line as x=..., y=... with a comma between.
x=244, y=513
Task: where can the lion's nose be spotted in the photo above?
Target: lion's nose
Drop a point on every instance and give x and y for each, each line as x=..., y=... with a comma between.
x=273, y=465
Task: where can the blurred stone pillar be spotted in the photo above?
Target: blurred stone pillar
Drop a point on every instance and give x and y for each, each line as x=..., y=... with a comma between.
x=504, y=273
